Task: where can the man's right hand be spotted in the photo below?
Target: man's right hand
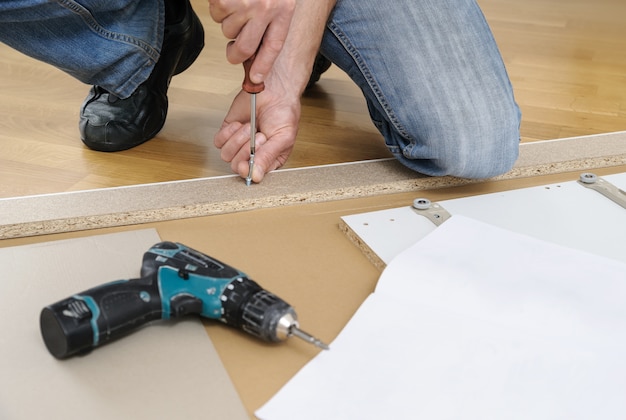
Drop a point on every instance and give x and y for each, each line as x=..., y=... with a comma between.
x=277, y=120
x=254, y=23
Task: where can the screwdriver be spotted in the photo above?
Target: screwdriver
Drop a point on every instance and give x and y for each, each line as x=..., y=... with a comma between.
x=252, y=89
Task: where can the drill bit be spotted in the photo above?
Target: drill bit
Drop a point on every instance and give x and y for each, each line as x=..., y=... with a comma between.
x=294, y=330
x=252, y=89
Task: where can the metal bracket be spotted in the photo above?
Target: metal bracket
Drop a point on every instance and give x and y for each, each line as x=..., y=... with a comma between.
x=604, y=187
x=432, y=211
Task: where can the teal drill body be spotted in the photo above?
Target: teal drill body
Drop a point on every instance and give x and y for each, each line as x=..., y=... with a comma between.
x=175, y=280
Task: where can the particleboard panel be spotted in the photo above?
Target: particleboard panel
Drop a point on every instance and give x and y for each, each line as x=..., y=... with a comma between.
x=65, y=212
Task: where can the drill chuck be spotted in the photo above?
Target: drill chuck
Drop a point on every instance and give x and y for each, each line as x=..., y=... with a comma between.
x=263, y=314
x=257, y=311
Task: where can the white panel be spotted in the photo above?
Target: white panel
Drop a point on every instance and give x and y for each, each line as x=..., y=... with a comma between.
x=566, y=213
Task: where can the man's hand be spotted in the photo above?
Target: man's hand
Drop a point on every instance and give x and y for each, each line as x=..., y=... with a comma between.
x=277, y=122
x=247, y=23
x=292, y=32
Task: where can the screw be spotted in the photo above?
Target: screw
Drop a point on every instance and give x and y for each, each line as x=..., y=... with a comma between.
x=588, y=178
x=421, y=204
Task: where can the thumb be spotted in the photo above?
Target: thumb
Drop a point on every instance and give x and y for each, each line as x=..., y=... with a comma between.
x=266, y=159
x=258, y=171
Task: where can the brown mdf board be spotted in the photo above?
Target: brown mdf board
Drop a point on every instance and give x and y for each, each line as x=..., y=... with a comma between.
x=299, y=253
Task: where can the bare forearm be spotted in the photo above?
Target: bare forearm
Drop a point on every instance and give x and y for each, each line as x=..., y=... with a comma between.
x=303, y=41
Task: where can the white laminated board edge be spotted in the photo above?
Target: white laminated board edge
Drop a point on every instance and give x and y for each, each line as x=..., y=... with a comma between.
x=122, y=206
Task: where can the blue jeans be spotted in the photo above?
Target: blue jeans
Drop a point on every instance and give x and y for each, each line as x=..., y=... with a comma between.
x=112, y=43
x=430, y=70
x=434, y=82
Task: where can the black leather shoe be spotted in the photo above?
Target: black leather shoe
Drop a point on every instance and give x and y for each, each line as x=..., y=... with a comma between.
x=111, y=124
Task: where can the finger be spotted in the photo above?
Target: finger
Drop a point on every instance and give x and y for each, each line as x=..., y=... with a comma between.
x=233, y=25
x=270, y=156
x=237, y=146
x=242, y=164
x=219, y=10
x=226, y=132
x=272, y=45
x=258, y=172
x=238, y=113
x=247, y=41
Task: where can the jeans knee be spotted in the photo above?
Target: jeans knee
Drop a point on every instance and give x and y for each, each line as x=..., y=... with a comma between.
x=483, y=148
x=486, y=159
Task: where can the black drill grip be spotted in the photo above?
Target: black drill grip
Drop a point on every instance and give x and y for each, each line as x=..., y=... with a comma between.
x=89, y=319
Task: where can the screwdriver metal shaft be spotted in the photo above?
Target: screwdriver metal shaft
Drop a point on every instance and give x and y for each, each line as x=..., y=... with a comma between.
x=252, y=89
x=252, y=137
x=308, y=338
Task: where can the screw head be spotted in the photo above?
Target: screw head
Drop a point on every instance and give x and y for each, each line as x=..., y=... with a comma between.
x=421, y=204
x=588, y=178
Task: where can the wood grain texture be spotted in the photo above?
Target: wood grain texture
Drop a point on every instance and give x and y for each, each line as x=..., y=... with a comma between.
x=566, y=60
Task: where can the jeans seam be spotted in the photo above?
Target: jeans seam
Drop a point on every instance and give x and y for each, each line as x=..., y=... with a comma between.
x=93, y=24
x=369, y=78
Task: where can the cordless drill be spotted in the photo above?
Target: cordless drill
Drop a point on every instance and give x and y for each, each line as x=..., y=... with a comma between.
x=175, y=280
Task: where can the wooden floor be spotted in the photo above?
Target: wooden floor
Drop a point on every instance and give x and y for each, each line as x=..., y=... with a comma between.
x=566, y=60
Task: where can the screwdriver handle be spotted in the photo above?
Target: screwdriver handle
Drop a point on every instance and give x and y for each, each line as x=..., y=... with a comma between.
x=248, y=85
